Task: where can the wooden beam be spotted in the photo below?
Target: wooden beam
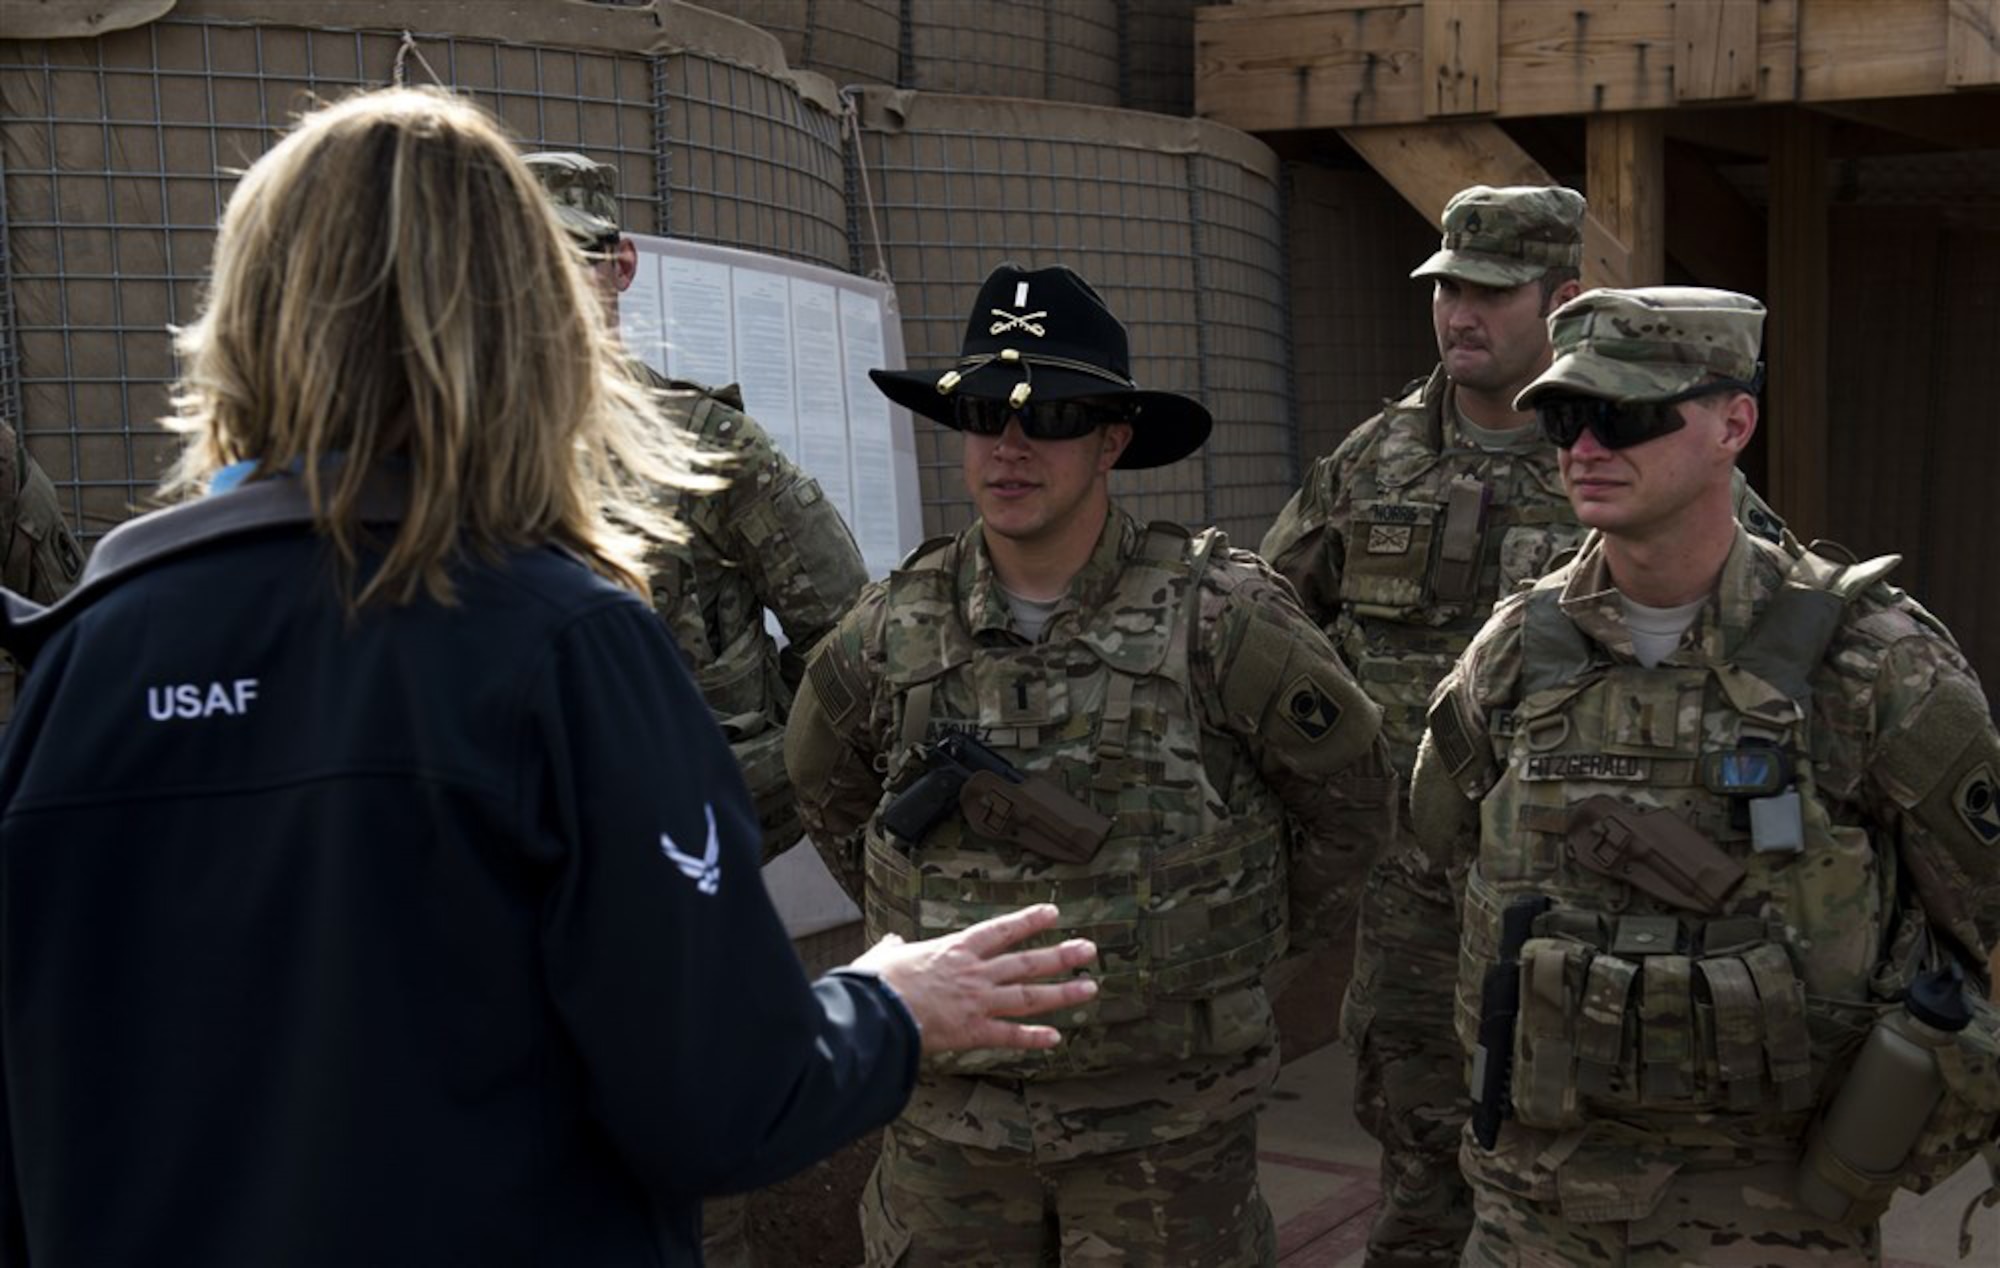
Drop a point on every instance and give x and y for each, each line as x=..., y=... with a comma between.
x=1625, y=157
x=1713, y=231
x=1286, y=64
x=1429, y=162
x=1972, y=44
x=1275, y=65
x=1461, y=57
x=1795, y=334
x=1866, y=48
x=1778, y=50
x=1715, y=50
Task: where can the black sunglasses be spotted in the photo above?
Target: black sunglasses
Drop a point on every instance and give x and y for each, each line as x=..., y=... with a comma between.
x=1620, y=425
x=603, y=247
x=1040, y=420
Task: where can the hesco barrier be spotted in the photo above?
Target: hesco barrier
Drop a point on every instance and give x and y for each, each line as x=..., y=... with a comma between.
x=118, y=152
x=1138, y=54
x=1177, y=222
x=1052, y=50
x=849, y=41
x=1156, y=49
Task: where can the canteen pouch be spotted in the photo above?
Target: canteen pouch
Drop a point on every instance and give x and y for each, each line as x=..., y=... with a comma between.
x=1967, y=1116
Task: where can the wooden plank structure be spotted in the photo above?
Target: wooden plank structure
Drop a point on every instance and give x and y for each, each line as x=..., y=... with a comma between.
x=1882, y=330
x=1439, y=94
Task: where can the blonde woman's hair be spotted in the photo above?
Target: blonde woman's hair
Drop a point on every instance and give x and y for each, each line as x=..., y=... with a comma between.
x=390, y=288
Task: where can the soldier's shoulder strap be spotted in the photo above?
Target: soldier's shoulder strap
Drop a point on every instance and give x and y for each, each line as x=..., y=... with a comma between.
x=931, y=554
x=1553, y=650
x=1793, y=633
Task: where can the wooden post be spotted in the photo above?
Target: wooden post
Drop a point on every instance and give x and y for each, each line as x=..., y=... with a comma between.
x=1626, y=184
x=1429, y=162
x=1795, y=335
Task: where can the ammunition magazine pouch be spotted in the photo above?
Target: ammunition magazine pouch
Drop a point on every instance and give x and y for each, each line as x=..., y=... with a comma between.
x=1456, y=579
x=1036, y=814
x=744, y=692
x=1628, y=1013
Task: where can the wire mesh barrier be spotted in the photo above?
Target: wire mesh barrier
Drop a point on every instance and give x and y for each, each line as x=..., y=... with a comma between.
x=1052, y=50
x=119, y=152
x=849, y=41
x=750, y=152
x=1156, y=55
x=1176, y=222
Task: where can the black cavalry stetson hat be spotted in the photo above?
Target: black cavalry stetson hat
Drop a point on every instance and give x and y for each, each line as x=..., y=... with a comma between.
x=1044, y=335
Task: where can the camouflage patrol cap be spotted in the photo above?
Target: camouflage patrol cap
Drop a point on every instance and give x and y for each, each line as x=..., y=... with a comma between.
x=1509, y=235
x=583, y=192
x=1650, y=343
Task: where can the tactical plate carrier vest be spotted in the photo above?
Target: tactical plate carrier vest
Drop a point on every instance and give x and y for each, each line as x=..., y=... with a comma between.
x=1701, y=1023
x=1428, y=550
x=1186, y=897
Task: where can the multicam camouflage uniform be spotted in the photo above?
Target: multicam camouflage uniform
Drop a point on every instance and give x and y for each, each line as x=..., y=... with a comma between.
x=1399, y=543
x=770, y=539
x=1361, y=543
x=42, y=560
x=1670, y=1051
x=1179, y=690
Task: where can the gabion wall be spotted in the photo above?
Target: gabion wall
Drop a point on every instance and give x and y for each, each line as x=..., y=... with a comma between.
x=1133, y=53
x=117, y=154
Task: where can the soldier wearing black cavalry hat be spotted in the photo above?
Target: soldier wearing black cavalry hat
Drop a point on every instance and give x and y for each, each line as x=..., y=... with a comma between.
x=1134, y=721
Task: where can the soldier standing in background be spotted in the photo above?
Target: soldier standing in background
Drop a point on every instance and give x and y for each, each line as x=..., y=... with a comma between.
x=42, y=559
x=1712, y=808
x=1399, y=544
x=1203, y=788
x=769, y=539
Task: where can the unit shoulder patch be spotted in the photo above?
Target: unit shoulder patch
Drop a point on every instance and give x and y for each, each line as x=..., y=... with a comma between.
x=1977, y=801
x=1310, y=711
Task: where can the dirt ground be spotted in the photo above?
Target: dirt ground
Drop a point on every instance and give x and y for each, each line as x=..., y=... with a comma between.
x=809, y=1221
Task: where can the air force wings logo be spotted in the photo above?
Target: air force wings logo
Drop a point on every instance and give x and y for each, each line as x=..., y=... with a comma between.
x=706, y=871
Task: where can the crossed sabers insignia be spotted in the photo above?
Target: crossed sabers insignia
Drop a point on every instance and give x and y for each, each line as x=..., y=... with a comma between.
x=1026, y=321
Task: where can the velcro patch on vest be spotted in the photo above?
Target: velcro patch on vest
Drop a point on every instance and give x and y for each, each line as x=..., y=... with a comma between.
x=1389, y=539
x=1977, y=800
x=1545, y=767
x=1310, y=710
x=835, y=694
x=1449, y=738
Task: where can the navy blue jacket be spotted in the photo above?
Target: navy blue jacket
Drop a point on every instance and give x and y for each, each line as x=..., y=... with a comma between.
x=434, y=936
